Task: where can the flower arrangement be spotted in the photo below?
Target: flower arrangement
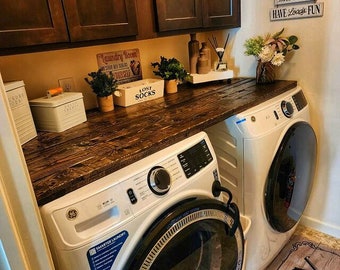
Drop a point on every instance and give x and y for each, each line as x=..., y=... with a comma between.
x=271, y=48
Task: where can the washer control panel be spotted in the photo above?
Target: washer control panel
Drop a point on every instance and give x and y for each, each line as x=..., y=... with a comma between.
x=195, y=158
x=169, y=175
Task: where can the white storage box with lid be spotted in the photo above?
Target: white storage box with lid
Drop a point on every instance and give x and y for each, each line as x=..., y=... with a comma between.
x=58, y=113
x=21, y=112
x=138, y=91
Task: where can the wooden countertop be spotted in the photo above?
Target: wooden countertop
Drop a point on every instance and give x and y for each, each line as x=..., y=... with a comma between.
x=59, y=163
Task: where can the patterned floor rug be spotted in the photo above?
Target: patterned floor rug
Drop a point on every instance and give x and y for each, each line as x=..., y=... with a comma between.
x=308, y=250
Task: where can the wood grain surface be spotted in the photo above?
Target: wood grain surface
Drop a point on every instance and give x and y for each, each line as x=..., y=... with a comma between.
x=59, y=163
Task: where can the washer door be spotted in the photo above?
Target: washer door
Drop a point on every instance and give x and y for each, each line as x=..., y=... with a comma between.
x=195, y=234
x=290, y=177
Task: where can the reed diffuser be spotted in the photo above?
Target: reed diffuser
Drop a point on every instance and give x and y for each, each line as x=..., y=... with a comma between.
x=221, y=65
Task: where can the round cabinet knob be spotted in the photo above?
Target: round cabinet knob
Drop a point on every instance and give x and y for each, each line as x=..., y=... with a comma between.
x=159, y=180
x=287, y=108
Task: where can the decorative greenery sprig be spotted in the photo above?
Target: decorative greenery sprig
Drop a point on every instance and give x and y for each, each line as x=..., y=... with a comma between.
x=271, y=48
x=169, y=69
x=101, y=83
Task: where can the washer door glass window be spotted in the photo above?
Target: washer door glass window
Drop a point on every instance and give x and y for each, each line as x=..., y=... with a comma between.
x=290, y=177
x=193, y=235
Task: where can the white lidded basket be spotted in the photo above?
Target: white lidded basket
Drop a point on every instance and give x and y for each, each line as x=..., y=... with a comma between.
x=58, y=113
x=138, y=91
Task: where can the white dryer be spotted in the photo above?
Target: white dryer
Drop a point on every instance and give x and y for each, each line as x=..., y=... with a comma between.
x=161, y=212
x=266, y=157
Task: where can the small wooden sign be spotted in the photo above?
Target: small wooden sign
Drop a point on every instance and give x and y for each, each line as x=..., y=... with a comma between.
x=125, y=65
x=285, y=2
x=296, y=12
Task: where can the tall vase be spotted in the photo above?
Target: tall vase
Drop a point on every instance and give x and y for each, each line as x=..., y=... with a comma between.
x=193, y=47
x=265, y=72
x=203, y=64
x=206, y=52
x=105, y=103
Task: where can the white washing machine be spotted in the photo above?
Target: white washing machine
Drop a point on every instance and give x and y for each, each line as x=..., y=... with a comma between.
x=158, y=213
x=266, y=157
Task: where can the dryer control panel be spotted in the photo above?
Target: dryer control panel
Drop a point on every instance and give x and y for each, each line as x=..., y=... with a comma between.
x=270, y=114
x=300, y=100
x=288, y=108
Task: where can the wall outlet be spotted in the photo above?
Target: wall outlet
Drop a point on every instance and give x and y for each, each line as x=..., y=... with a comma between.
x=67, y=84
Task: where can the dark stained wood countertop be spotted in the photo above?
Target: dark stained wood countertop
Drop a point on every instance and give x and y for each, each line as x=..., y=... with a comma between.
x=59, y=163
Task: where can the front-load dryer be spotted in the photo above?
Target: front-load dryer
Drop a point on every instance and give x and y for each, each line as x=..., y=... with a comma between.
x=266, y=157
x=162, y=212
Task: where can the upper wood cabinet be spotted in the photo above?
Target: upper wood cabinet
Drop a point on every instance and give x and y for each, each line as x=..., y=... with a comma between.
x=55, y=21
x=190, y=14
x=221, y=13
x=31, y=22
x=172, y=15
x=26, y=23
x=100, y=19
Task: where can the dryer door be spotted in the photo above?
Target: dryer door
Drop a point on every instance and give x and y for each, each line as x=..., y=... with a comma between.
x=290, y=177
x=195, y=234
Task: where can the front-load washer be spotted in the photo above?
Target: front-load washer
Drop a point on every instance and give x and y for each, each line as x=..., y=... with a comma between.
x=162, y=212
x=266, y=157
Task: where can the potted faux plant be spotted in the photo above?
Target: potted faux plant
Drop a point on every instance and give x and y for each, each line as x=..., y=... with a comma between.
x=172, y=71
x=270, y=52
x=103, y=85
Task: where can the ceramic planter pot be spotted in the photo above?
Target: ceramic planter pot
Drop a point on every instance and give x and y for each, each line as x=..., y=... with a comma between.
x=170, y=86
x=105, y=103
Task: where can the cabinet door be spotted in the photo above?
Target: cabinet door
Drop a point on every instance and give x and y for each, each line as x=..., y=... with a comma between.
x=100, y=19
x=177, y=15
x=221, y=13
x=31, y=22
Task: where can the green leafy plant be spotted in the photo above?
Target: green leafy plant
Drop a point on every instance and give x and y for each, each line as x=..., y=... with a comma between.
x=271, y=48
x=169, y=69
x=102, y=84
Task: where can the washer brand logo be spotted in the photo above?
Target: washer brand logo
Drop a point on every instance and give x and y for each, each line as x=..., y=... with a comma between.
x=72, y=214
x=103, y=255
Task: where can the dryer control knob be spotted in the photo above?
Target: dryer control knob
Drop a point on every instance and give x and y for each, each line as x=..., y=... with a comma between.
x=159, y=180
x=287, y=108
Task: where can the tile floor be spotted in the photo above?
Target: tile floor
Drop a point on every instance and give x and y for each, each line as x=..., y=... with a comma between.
x=322, y=250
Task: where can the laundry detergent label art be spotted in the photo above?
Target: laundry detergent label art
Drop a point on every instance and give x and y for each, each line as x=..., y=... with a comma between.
x=103, y=255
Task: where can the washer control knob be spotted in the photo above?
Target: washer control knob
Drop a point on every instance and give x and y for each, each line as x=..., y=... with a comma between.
x=159, y=180
x=287, y=108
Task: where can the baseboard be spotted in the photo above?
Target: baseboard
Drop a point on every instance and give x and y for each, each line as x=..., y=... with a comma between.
x=323, y=227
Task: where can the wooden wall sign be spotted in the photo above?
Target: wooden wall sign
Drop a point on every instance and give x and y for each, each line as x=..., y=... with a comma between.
x=285, y=2
x=296, y=12
x=125, y=65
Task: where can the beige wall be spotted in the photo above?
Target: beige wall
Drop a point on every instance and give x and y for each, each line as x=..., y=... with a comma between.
x=41, y=71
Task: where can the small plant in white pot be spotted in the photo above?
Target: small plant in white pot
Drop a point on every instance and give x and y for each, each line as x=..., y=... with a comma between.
x=103, y=85
x=172, y=71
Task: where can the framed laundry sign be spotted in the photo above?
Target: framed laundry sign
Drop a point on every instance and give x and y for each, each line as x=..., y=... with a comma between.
x=296, y=11
x=125, y=65
x=285, y=2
